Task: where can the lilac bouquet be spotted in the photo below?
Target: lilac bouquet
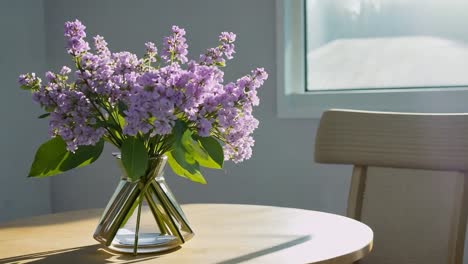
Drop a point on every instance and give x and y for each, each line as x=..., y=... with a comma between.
x=159, y=104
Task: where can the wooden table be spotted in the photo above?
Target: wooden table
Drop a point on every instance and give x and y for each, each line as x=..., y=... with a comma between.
x=224, y=234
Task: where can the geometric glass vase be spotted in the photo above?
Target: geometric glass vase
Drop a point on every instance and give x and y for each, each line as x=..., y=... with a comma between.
x=143, y=216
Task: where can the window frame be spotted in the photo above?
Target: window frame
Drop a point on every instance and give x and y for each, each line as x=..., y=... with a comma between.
x=293, y=101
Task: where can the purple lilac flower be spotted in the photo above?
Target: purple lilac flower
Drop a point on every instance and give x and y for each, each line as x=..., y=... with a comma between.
x=74, y=29
x=151, y=51
x=151, y=103
x=251, y=83
x=238, y=137
x=234, y=120
x=174, y=46
x=125, y=62
x=100, y=45
x=50, y=76
x=260, y=75
x=204, y=127
x=71, y=115
x=227, y=39
x=151, y=48
x=212, y=56
x=75, y=34
x=65, y=70
x=29, y=80
x=240, y=150
x=23, y=79
x=215, y=56
x=72, y=119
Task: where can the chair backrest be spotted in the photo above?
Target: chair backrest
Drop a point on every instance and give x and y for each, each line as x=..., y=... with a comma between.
x=408, y=182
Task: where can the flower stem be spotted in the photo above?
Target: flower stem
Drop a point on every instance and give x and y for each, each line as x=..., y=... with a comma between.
x=158, y=215
x=137, y=228
x=171, y=223
x=115, y=140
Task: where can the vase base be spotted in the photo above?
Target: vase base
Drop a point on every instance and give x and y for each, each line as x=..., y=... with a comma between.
x=147, y=242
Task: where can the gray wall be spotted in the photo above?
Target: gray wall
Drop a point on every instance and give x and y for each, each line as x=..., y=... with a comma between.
x=281, y=171
x=22, y=49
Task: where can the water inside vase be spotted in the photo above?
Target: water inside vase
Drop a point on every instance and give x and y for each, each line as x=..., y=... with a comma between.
x=150, y=237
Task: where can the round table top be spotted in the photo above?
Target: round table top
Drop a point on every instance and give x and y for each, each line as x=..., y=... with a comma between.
x=224, y=233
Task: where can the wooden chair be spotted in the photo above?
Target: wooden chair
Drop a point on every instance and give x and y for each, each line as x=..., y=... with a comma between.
x=409, y=180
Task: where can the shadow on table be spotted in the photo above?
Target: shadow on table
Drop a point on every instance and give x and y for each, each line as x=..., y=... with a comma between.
x=95, y=254
x=266, y=251
x=92, y=254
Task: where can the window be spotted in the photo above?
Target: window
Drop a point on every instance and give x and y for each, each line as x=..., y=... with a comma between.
x=383, y=55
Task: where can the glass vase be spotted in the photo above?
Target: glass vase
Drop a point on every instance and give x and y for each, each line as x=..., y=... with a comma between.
x=143, y=216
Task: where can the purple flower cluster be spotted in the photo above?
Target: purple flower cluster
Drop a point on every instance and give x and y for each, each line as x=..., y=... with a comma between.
x=118, y=94
x=234, y=118
x=151, y=51
x=215, y=56
x=29, y=80
x=71, y=114
x=174, y=46
x=75, y=34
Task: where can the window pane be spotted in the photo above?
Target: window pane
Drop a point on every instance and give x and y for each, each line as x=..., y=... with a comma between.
x=362, y=44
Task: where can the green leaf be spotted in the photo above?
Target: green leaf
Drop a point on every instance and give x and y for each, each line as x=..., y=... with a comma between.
x=83, y=156
x=179, y=129
x=134, y=157
x=179, y=164
x=215, y=152
x=121, y=121
x=193, y=147
x=48, y=158
x=53, y=158
x=122, y=107
x=181, y=158
x=44, y=115
x=206, y=150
